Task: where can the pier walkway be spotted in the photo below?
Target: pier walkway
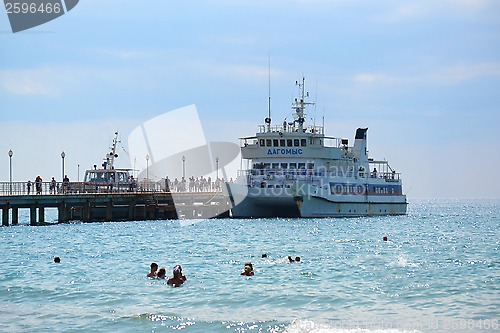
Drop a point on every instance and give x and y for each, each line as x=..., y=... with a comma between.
x=90, y=203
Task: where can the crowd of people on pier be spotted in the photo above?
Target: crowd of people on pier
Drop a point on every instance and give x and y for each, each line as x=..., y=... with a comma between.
x=192, y=184
x=54, y=186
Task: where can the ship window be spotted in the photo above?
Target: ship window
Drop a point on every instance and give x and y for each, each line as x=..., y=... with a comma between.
x=284, y=165
x=122, y=177
x=268, y=142
x=262, y=143
x=275, y=165
x=267, y=165
x=310, y=165
x=293, y=165
x=303, y=142
x=289, y=142
x=302, y=165
x=296, y=142
x=275, y=142
x=282, y=143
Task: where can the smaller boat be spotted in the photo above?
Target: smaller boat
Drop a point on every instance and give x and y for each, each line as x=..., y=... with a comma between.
x=108, y=178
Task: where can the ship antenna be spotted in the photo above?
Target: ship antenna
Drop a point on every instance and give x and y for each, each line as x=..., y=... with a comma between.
x=268, y=119
x=315, y=100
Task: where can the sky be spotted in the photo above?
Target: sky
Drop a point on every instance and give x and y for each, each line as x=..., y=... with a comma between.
x=423, y=76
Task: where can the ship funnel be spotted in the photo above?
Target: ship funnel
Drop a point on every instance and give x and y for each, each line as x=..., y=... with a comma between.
x=359, y=148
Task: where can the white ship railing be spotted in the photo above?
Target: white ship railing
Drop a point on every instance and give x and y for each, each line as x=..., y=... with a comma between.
x=293, y=174
x=289, y=129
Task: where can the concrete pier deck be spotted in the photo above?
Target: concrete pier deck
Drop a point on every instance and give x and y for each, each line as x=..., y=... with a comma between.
x=148, y=204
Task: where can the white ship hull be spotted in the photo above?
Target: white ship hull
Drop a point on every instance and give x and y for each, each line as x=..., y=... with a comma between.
x=260, y=203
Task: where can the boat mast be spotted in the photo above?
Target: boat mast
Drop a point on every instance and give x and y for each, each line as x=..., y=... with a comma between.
x=110, y=158
x=299, y=105
x=268, y=119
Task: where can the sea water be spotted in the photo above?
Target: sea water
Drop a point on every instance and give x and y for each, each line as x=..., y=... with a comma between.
x=438, y=271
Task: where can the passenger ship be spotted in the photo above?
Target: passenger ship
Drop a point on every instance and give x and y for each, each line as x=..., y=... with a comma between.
x=294, y=170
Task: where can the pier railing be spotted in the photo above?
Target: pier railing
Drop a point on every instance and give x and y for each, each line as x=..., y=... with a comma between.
x=47, y=188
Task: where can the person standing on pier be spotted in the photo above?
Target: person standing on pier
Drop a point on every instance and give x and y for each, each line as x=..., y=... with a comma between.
x=38, y=185
x=65, y=184
x=28, y=185
x=167, y=184
x=111, y=182
x=52, y=187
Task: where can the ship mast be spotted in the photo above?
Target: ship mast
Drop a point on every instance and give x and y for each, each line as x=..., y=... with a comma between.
x=110, y=158
x=299, y=105
x=268, y=119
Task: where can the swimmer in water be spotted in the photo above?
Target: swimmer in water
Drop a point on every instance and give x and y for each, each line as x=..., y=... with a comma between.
x=179, y=267
x=162, y=273
x=152, y=273
x=178, y=279
x=248, y=269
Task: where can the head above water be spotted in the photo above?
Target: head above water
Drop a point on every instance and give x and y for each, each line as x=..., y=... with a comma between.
x=154, y=266
x=162, y=272
x=177, y=271
x=57, y=259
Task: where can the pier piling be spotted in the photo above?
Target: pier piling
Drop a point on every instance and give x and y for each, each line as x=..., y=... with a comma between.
x=32, y=215
x=15, y=216
x=5, y=215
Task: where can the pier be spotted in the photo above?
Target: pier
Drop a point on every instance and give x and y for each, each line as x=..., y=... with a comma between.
x=81, y=202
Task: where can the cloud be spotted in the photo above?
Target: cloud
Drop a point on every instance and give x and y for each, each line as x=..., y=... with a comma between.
x=412, y=10
x=122, y=54
x=462, y=73
x=447, y=75
x=28, y=82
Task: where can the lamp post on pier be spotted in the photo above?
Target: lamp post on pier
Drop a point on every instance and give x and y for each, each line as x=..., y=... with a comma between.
x=10, y=170
x=63, y=155
x=183, y=166
x=217, y=167
x=147, y=169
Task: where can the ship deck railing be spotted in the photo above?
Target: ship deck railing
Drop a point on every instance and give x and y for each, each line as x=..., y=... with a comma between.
x=302, y=173
x=290, y=129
